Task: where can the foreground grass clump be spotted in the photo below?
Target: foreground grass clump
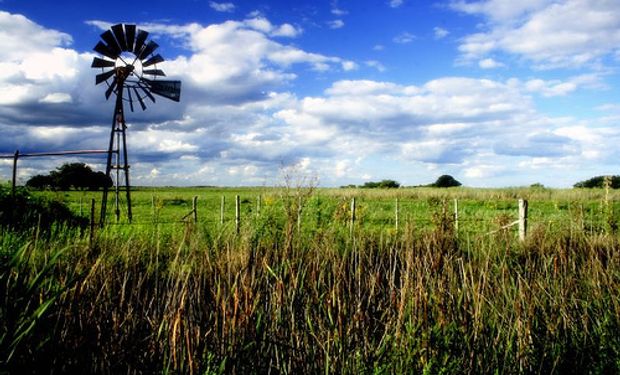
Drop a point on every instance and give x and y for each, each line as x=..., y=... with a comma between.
x=290, y=299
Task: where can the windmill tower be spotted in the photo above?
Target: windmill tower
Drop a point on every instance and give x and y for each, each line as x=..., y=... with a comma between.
x=129, y=68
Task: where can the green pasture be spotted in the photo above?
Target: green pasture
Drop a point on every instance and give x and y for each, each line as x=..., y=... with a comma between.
x=477, y=210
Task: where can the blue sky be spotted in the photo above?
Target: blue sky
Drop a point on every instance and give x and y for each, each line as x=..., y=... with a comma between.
x=493, y=92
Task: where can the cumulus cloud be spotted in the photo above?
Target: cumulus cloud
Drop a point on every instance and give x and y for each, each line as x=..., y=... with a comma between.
x=395, y=3
x=335, y=24
x=551, y=34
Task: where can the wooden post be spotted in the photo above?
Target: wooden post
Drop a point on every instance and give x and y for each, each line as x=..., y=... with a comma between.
x=92, y=223
x=195, y=208
x=222, y=203
x=522, y=219
x=456, y=215
x=258, y=202
x=352, y=214
x=396, y=214
x=298, y=214
x=237, y=214
x=14, y=182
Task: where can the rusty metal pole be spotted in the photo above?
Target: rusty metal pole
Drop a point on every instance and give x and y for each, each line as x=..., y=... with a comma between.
x=14, y=183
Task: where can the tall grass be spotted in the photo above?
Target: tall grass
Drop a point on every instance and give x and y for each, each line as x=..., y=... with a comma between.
x=286, y=298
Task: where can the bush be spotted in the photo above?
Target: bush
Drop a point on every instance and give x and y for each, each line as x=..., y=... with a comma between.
x=24, y=211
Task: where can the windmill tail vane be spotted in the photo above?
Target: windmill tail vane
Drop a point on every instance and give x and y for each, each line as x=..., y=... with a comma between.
x=128, y=66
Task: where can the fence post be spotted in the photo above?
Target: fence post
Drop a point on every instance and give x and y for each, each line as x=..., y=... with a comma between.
x=352, y=214
x=258, y=202
x=195, y=208
x=522, y=219
x=92, y=223
x=237, y=214
x=222, y=203
x=396, y=214
x=456, y=215
x=14, y=181
x=298, y=214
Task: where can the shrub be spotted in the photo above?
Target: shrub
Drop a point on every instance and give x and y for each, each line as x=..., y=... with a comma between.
x=24, y=211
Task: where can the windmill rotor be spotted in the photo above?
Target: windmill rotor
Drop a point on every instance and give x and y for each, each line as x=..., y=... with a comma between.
x=128, y=63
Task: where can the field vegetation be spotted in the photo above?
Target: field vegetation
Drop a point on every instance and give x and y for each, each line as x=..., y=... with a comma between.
x=299, y=289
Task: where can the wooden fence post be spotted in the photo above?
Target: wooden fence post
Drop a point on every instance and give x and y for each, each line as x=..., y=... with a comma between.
x=523, y=205
x=237, y=214
x=352, y=214
x=92, y=223
x=456, y=215
x=222, y=204
x=396, y=214
x=299, y=214
x=195, y=208
x=14, y=182
x=258, y=202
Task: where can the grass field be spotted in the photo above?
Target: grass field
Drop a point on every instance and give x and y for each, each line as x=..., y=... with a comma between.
x=298, y=291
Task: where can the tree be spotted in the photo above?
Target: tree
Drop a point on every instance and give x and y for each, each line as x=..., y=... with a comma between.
x=71, y=175
x=383, y=184
x=599, y=182
x=445, y=181
x=40, y=182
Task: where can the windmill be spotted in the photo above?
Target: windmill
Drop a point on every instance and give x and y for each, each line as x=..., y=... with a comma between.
x=128, y=65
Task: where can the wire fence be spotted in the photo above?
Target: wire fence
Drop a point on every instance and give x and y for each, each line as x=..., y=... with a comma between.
x=464, y=216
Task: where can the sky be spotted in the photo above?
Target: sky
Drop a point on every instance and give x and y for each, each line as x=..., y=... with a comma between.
x=493, y=92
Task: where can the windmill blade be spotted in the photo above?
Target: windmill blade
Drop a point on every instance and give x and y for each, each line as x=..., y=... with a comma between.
x=139, y=99
x=130, y=36
x=101, y=63
x=108, y=92
x=154, y=72
x=112, y=44
x=130, y=99
x=146, y=91
x=167, y=89
x=119, y=34
x=142, y=35
x=148, y=49
x=104, y=76
x=104, y=50
x=153, y=60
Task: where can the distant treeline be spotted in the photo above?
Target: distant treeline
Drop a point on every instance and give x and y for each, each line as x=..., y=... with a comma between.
x=443, y=181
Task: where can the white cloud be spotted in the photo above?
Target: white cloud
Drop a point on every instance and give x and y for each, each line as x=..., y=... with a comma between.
x=489, y=63
x=32, y=38
x=376, y=64
x=222, y=7
x=404, y=38
x=551, y=34
x=440, y=32
x=395, y=3
x=335, y=24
